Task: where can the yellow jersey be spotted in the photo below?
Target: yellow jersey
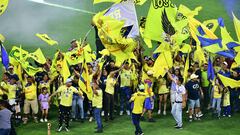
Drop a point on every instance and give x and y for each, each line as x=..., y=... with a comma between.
x=30, y=91
x=137, y=100
x=67, y=95
x=97, y=99
x=217, y=93
x=126, y=77
x=44, y=84
x=4, y=85
x=226, y=99
x=12, y=89
x=110, y=83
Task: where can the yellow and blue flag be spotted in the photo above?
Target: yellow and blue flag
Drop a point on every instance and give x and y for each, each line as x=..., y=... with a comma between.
x=4, y=56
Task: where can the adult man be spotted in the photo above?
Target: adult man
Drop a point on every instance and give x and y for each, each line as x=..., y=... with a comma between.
x=125, y=88
x=193, y=89
x=65, y=106
x=205, y=85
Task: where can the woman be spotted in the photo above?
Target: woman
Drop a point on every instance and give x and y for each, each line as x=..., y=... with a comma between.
x=163, y=92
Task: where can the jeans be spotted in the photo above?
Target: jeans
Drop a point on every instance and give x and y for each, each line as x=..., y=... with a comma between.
x=64, y=113
x=177, y=113
x=136, y=122
x=77, y=103
x=217, y=103
x=5, y=131
x=227, y=110
x=125, y=95
x=97, y=115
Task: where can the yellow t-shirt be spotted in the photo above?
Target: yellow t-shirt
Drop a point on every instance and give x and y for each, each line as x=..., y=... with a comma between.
x=30, y=91
x=226, y=99
x=216, y=92
x=44, y=84
x=4, y=85
x=138, y=99
x=12, y=89
x=144, y=74
x=67, y=95
x=126, y=77
x=97, y=99
x=110, y=85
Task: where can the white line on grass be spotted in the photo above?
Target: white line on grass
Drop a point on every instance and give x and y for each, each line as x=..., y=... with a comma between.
x=61, y=6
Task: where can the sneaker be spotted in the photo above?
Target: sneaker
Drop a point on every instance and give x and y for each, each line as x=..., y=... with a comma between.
x=90, y=119
x=176, y=125
x=224, y=115
x=59, y=129
x=164, y=113
x=200, y=114
x=102, y=113
x=41, y=120
x=45, y=120
x=25, y=122
x=121, y=113
x=140, y=133
x=229, y=116
x=66, y=129
x=190, y=119
x=179, y=127
x=159, y=112
x=35, y=120
x=151, y=120
x=99, y=131
x=198, y=118
x=128, y=113
x=187, y=112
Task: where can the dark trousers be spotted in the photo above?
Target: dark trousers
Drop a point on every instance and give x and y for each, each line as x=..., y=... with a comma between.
x=97, y=115
x=109, y=106
x=136, y=122
x=234, y=99
x=125, y=95
x=64, y=115
x=206, y=98
x=5, y=131
x=227, y=110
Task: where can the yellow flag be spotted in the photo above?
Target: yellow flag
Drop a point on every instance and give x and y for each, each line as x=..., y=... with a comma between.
x=75, y=56
x=186, y=48
x=100, y=1
x=188, y=12
x=3, y=6
x=229, y=82
x=185, y=73
x=164, y=46
x=65, y=70
x=163, y=61
x=2, y=38
x=199, y=55
x=140, y=2
x=236, y=22
x=47, y=39
x=105, y=52
x=15, y=54
x=38, y=56
x=160, y=20
x=30, y=70
x=211, y=24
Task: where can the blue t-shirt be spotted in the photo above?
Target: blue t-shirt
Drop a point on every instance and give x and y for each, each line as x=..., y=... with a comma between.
x=5, y=116
x=193, y=89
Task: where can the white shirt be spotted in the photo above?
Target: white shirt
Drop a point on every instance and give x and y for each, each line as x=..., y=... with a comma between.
x=180, y=90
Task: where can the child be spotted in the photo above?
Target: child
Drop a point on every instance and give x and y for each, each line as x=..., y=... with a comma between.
x=97, y=105
x=226, y=103
x=43, y=99
x=137, y=100
x=217, y=95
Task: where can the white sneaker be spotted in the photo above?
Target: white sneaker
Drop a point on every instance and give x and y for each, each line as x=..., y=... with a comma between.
x=90, y=119
x=102, y=113
x=128, y=113
x=200, y=114
x=121, y=113
x=229, y=116
x=59, y=129
x=164, y=113
x=46, y=120
x=66, y=129
x=41, y=120
x=159, y=112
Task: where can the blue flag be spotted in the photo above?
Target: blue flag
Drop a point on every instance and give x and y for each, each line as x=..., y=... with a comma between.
x=229, y=54
x=210, y=70
x=5, y=58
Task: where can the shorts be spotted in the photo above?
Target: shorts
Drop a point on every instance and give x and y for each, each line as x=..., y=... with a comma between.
x=30, y=104
x=148, y=104
x=194, y=103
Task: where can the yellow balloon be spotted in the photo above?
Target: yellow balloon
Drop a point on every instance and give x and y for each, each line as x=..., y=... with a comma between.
x=3, y=6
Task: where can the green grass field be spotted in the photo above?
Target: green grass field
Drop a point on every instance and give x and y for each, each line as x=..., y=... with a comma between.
x=23, y=19
x=122, y=126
